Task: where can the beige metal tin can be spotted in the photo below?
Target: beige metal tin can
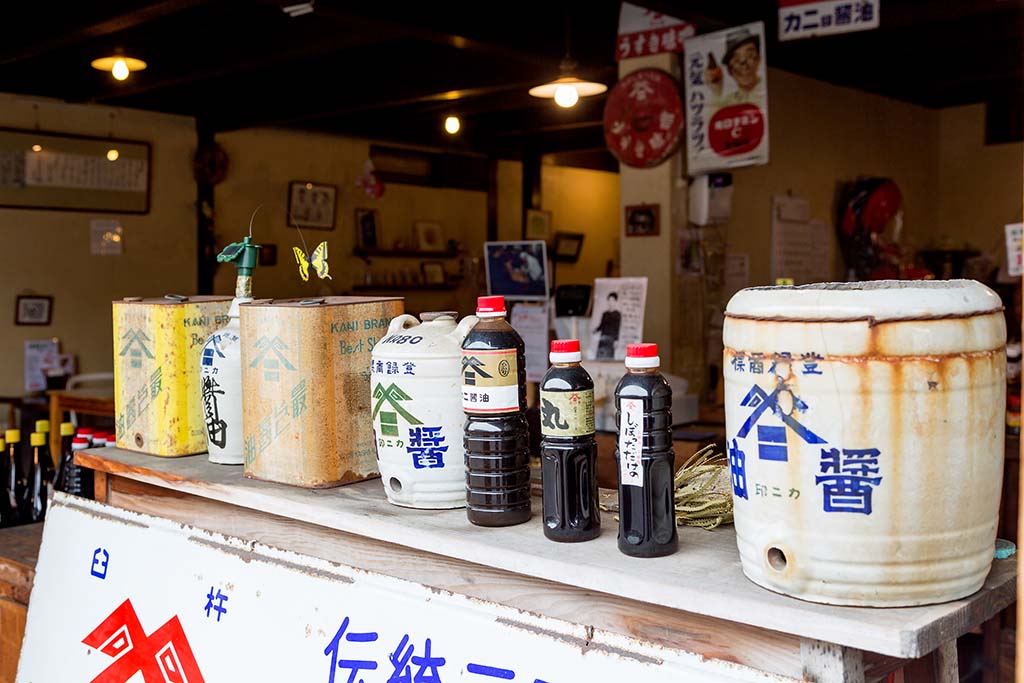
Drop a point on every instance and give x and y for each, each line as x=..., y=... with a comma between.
x=306, y=413
x=157, y=348
x=864, y=425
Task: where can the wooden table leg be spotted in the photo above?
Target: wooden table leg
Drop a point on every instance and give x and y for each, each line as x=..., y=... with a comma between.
x=56, y=417
x=940, y=666
x=830, y=663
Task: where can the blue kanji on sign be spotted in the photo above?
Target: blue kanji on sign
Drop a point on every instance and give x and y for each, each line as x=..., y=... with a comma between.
x=426, y=447
x=354, y=666
x=849, y=479
x=771, y=443
x=492, y=671
x=738, y=467
x=100, y=560
x=219, y=608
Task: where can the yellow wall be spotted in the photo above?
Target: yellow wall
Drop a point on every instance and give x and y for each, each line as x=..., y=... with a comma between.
x=979, y=185
x=47, y=252
x=580, y=200
x=263, y=161
x=822, y=134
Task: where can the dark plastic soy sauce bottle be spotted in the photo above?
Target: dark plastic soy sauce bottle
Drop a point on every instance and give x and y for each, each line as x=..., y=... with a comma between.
x=496, y=436
x=568, y=449
x=643, y=415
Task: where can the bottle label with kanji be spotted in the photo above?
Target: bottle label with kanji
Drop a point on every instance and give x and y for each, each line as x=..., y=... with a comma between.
x=567, y=413
x=490, y=381
x=631, y=441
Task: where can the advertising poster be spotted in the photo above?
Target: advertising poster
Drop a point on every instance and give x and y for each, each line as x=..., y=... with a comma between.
x=726, y=99
x=618, y=317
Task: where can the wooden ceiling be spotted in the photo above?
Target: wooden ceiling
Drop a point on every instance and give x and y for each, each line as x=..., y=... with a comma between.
x=393, y=71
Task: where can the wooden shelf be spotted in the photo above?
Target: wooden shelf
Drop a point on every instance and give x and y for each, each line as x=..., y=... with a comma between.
x=450, y=287
x=703, y=578
x=367, y=252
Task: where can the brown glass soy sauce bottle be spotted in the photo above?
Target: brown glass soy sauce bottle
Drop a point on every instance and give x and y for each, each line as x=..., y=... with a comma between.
x=568, y=449
x=646, y=461
x=496, y=436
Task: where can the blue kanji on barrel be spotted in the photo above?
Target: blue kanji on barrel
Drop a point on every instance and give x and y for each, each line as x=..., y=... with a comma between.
x=772, y=439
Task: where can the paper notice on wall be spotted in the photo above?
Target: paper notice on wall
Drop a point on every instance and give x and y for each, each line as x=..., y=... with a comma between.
x=40, y=354
x=736, y=276
x=801, y=246
x=618, y=316
x=531, y=322
x=645, y=32
x=1014, y=265
x=810, y=18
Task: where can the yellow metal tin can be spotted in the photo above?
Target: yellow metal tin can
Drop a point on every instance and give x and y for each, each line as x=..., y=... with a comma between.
x=157, y=347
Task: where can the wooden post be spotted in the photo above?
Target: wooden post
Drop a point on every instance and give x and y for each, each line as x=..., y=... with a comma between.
x=830, y=663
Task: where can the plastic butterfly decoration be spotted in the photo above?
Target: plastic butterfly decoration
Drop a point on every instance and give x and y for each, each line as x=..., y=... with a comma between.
x=318, y=260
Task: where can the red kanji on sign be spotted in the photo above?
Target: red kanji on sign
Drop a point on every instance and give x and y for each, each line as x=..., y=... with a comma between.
x=643, y=118
x=162, y=657
x=736, y=129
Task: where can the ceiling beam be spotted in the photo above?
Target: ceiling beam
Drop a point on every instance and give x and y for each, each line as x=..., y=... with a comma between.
x=122, y=22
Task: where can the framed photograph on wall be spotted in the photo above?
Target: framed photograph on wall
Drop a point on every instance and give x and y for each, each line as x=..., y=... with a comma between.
x=428, y=236
x=643, y=220
x=366, y=228
x=433, y=273
x=538, y=225
x=517, y=270
x=568, y=246
x=30, y=309
x=312, y=205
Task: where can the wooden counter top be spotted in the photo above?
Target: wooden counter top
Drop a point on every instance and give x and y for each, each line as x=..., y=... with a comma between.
x=703, y=578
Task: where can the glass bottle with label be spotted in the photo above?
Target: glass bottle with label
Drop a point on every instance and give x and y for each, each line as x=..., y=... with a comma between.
x=14, y=485
x=646, y=461
x=43, y=427
x=67, y=433
x=8, y=517
x=76, y=480
x=568, y=449
x=496, y=436
x=34, y=504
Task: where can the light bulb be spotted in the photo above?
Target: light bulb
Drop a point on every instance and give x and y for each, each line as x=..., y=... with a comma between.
x=120, y=70
x=37, y=148
x=452, y=125
x=566, y=96
x=112, y=154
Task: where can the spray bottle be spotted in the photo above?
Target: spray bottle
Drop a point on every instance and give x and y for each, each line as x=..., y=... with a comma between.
x=221, y=367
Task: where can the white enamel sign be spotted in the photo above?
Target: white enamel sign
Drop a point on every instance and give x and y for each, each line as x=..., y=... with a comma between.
x=123, y=597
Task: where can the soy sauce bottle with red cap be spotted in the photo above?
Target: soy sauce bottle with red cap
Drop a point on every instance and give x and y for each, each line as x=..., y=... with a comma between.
x=567, y=447
x=496, y=436
x=646, y=461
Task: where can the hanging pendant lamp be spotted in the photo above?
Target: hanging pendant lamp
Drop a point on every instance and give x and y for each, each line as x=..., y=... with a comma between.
x=568, y=89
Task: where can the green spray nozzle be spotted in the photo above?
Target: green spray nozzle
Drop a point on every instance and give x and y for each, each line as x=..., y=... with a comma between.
x=243, y=254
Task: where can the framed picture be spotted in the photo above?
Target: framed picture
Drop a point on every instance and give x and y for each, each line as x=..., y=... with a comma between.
x=642, y=220
x=268, y=255
x=538, y=225
x=33, y=310
x=63, y=172
x=433, y=273
x=517, y=270
x=568, y=246
x=312, y=205
x=366, y=228
x=428, y=236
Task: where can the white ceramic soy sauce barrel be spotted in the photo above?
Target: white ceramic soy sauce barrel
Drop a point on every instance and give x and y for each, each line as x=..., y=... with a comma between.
x=864, y=426
x=415, y=386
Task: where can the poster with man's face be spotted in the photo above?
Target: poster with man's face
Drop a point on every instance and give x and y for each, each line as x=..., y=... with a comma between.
x=726, y=99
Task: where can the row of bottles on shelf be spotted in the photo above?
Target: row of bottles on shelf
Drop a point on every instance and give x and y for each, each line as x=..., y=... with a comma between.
x=497, y=440
x=27, y=489
x=426, y=376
